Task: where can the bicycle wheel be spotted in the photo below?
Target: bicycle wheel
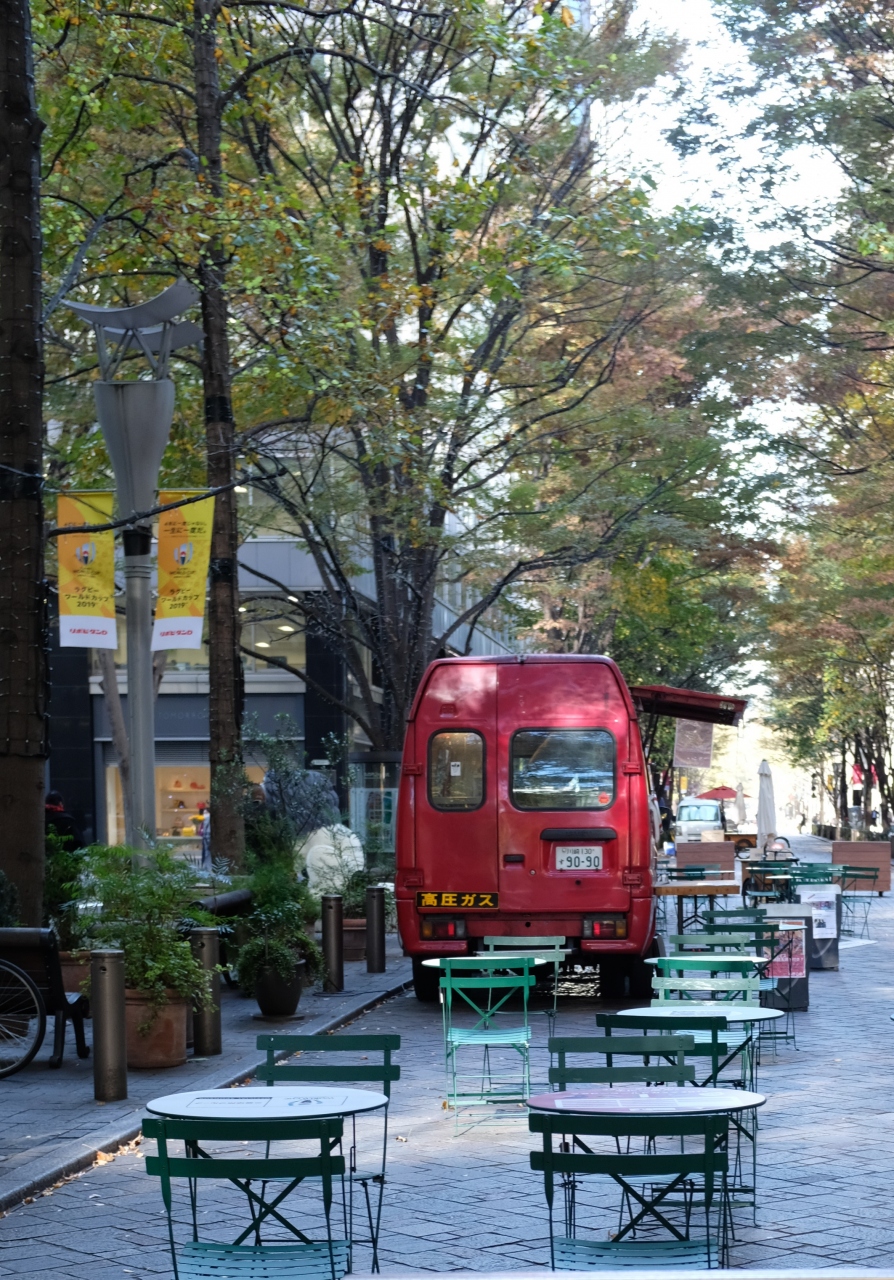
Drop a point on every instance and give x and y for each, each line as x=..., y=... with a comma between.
x=749, y=888
x=23, y=1019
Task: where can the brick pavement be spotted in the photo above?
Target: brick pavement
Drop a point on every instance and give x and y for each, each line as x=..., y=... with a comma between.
x=469, y=1202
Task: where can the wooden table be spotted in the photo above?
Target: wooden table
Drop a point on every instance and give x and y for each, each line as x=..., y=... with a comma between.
x=696, y=889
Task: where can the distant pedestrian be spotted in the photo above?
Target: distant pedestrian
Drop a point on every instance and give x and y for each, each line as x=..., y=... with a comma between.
x=205, y=811
x=802, y=823
x=62, y=823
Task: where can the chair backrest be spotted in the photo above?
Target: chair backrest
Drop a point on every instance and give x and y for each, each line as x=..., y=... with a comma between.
x=719, y=852
x=324, y=1164
x=706, y=1160
x=526, y=943
x=711, y=962
x=510, y=975
x=671, y=1048
x=36, y=952
x=866, y=853
x=726, y=988
x=382, y=1072
x=701, y=871
x=715, y=1028
x=682, y=942
x=726, y=915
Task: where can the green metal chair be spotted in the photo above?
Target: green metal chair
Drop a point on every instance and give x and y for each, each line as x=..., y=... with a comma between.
x=858, y=891
x=550, y=948
x=382, y=1072
x=712, y=1037
x=205, y=1260
x=693, y=942
x=671, y=1068
x=724, y=1046
x=705, y=989
x=483, y=985
x=697, y=1150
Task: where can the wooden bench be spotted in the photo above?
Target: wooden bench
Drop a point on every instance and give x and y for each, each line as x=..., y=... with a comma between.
x=36, y=952
x=866, y=853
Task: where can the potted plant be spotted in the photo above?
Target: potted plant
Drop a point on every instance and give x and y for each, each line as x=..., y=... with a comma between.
x=273, y=963
x=145, y=901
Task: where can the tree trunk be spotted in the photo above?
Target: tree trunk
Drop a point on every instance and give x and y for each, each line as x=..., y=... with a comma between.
x=224, y=660
x=23, y=662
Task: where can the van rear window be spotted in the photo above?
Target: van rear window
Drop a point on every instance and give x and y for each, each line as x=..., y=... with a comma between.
x=563, y=769
x=456, y=771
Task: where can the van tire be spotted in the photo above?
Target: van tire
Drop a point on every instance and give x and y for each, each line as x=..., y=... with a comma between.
x=425, y=982
x=612, y=978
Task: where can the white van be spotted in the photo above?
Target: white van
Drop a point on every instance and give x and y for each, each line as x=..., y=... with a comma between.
x=696, y=816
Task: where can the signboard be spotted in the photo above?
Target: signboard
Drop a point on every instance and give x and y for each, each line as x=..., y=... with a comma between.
x=86, y=573
x=693, y=744
x=468, y=901
x=184, y=547
x=791, y=961
x=823, y=900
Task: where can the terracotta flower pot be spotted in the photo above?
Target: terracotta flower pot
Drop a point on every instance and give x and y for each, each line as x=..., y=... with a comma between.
x=75, y=966
x=163, y=1042
x=354, y=934
x=277, y=996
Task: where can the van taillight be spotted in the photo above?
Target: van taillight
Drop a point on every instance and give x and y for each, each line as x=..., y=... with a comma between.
x=605, y=926
x=441, y=927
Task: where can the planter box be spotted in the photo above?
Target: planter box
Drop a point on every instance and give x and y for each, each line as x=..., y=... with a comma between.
x=354, y=935
x=163, y=1044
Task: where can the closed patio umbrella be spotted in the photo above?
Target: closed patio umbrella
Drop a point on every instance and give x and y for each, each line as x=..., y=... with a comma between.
x=766, y=805
x=740, y=804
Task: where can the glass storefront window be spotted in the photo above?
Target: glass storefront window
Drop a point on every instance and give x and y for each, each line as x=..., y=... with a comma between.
x=276, y=638
x=373, y=806
x=179, y=790
x=456, y=771
x=563, y=769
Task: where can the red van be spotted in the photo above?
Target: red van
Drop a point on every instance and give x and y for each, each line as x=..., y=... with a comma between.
x=524, y=811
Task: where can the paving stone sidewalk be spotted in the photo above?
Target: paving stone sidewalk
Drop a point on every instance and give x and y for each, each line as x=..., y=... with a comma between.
x=469, y=1202
x=51, y=1124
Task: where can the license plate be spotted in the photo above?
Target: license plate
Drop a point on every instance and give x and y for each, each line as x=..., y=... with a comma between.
x=579, y=857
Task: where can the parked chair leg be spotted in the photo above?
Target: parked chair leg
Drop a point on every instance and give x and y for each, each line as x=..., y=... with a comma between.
x=77, y=1021
x=58, y=1040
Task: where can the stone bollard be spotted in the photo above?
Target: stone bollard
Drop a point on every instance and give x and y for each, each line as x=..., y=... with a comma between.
x=205, y=945
x=109, y=1035
x=333, y=943
x=375, y=930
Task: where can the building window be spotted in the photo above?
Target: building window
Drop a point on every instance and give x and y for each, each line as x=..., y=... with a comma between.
x=456, y=771
x=563, y=769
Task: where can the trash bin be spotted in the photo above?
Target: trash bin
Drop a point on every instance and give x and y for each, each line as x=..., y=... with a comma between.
x=825, y=903
x=790, y=969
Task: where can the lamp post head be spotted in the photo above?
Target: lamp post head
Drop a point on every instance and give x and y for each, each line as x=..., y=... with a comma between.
x=136, y=415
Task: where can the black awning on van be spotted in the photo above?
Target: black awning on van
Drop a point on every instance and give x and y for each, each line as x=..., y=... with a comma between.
x=688, y=704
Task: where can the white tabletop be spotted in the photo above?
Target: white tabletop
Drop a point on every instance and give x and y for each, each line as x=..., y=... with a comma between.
x=731, y=1010
x=309, y=1102
x=633, y=1100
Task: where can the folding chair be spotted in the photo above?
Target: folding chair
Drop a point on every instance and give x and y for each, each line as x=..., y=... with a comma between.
x=204, y=1260
x=551, y=949
x=665, y=1171
x=382, y=1073
x=465, y=988
x=671, y=1068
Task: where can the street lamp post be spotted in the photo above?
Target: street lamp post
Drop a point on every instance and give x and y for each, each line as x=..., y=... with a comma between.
x=135, y=417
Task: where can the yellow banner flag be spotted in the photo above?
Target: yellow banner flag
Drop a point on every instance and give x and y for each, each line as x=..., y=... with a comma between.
x=184, y=547
x=86, y=573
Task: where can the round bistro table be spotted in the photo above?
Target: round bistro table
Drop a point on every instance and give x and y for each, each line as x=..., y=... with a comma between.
x=264, y=1103
x=732, y=1010
x=634, y=1101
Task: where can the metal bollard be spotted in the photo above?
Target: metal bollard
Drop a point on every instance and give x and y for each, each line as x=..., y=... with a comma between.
x=333, y=943
x=375, y=930
x=205, y=945
x=109, y=1034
